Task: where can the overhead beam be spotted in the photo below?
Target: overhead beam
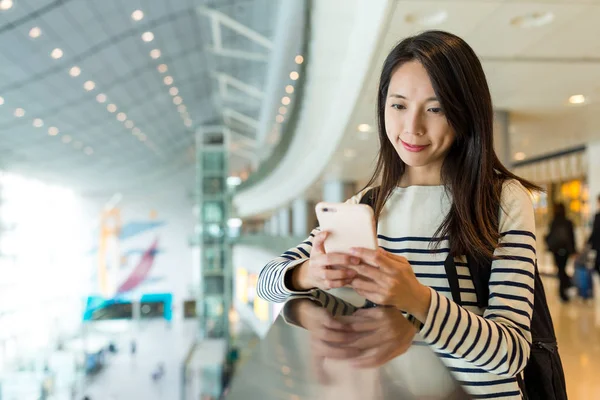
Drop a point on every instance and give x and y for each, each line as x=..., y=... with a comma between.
x=230, y=113
x=226, y=80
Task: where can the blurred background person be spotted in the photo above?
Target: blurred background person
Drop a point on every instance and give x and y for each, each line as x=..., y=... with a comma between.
x=561, y=243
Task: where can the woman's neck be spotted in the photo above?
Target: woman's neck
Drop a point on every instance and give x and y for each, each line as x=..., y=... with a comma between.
x=420, y=176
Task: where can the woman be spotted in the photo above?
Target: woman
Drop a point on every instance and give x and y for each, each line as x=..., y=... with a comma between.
x=561, y=242
x=443, y=192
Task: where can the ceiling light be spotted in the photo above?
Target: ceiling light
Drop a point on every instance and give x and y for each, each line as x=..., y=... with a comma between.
x=78, y=145
x=128, y=124
x=162, y=68
x=88, y=150
x=520, y=156
x=56, y=53
x=66, y=139
x=234, y=222
x=168, y=80
x=75, y=71
x=289, y=89
x=349, y=153
x=121, y=117
x=136, y=131
x=38, y=123
x=533, y=20
x=577, y=99
x=147, y=36
x=173, y=91
x=137, y=15
x=19, y=112
x=111, y=108
x=177, y=100
x=285, y=100
x=155, y=53
x=53, y=131
x=181, y=108
x=429, y=19
x=35, y=32
x=6, y=4
x=294, y=75
x=1, y=100
x=142, y=137
x=299, y=59
x=89, y=85
x=187, y=122
x=279, y=118
x=282, y=110
x=364, y=127
x=101, y=98
x=234, y=180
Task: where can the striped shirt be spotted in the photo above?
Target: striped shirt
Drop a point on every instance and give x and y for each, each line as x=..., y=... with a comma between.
x=485, y=349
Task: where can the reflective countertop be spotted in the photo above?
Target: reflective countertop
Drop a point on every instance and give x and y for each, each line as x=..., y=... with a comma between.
x=325, y=347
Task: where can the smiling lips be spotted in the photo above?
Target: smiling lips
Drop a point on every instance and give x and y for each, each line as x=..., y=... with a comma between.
x=412, y=147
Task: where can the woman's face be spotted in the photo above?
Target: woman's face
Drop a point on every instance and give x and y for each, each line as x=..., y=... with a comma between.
x=414, y=119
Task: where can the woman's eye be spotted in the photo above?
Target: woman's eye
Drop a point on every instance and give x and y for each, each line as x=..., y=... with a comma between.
x=398, y=106
x=436, y=110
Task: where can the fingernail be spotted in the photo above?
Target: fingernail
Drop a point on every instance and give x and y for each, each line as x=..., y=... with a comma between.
x=353, y=251
x=351, y=273
x=354, y=260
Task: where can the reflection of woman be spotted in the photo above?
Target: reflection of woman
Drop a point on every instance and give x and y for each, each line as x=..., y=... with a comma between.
x=443, y=193
x=561, y=242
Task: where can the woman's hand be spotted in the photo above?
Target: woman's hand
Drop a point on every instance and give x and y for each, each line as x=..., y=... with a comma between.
x=388, y=279
x=323, y=271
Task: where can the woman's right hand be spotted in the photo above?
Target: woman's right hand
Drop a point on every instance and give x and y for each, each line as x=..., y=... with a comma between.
x=323, y=271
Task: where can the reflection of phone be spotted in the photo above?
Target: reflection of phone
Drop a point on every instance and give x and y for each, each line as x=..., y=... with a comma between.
x=349, y=225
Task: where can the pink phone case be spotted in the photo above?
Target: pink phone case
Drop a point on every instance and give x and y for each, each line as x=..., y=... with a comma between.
x=349, y=225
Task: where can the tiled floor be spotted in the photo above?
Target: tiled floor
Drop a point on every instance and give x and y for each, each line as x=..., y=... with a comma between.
x=578, y=329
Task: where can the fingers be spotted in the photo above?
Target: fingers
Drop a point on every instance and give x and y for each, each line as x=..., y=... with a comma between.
x=365, y=285
x=374, y=297
x=369, y=271
x=318, y=244
x=337, y=274
x=326, y=350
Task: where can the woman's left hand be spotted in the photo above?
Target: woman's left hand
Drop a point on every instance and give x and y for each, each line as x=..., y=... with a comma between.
x=388, y=279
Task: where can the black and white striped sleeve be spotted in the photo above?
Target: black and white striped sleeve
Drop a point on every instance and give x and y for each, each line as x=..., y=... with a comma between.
x=499, y=341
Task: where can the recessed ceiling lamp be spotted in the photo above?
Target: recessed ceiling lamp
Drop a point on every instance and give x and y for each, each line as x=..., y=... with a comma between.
x=294, y=75
x=137, y=15
x=364, y=128
x=282, y=110
x=520, y=156
x=533, y=20
x=136, y=131
x=289, y=89
x=168, y=80
x=181, y=108
x=35, y=32
x=101, y=98
x=162, y=68
x=111, y=108
x=89, y=85
x=53, y=131
x=147, y=36
x=155, y=53
x=279, y=119
x=38, y=123
x=6, y=4
x=128, y=124
x=19, y=112
x=121, y=117
x=56, y=53
x=66, y=139
x=299, y=59
x=142, y=137
x=88, y=151
x=233, y=180
x=285, y=100
x=187, y=122
x=75, y=71
x=173, y=91
x=577, y=99
x=177, y=100
x=429, y=19
x=1, y=100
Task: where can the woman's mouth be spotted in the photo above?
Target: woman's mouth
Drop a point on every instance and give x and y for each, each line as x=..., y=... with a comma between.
x=413, y=147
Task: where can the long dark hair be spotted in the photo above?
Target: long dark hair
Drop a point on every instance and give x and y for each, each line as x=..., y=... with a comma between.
x=472, y=173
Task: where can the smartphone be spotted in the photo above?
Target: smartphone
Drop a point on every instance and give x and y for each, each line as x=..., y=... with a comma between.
x=349, y=225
